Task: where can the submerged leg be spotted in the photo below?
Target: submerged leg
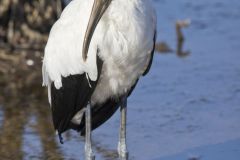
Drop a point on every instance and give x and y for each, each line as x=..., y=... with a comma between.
x=122, y=146
x=88, y=144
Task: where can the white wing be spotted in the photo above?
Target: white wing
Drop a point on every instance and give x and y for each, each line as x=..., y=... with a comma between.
x=63, y=52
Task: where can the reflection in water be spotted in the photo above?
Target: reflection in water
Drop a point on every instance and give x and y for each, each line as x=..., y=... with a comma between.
x=1, y=117
x=105, y=152
x=11, y=133
x=180, y=37
x=22, y=96
x=47, y=136
x=163, y=48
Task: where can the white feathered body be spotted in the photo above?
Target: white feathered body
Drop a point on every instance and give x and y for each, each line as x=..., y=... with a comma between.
x=124, y=38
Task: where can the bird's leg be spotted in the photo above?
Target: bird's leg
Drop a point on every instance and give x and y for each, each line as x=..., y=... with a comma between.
x=122, y=146
x=88, y=144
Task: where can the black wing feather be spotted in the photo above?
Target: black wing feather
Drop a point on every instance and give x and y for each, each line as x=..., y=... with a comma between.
x=73, y=96
x=101, y=113
x=152, y=53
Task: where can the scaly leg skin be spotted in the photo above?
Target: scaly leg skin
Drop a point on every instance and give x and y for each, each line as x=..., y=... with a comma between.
x=88, y=144
x=122, y=146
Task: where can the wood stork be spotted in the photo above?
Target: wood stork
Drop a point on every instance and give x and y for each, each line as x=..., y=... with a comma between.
x=95, y=54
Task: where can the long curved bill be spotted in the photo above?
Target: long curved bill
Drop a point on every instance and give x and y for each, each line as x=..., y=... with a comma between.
x=99, y=7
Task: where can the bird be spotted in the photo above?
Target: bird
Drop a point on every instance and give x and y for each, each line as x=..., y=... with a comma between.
x=94, y=57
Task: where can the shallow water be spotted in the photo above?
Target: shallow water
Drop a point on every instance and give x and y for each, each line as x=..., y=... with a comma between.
x=185, y=107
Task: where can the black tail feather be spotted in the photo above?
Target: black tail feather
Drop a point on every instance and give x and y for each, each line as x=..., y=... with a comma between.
x=73, y=96
x=101, y=113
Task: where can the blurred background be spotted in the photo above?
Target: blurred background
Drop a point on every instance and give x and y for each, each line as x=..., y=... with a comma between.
x=187, y=108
